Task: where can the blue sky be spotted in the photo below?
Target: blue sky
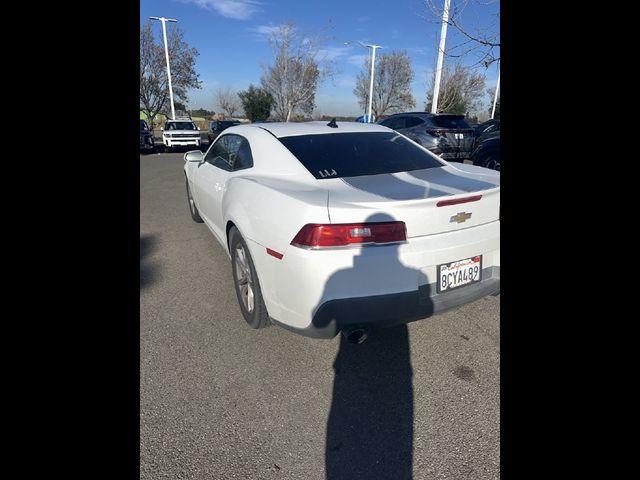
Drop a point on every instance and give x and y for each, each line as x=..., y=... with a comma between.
x=230, y=37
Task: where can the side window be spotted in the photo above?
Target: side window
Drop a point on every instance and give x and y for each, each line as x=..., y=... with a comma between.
x=244, y=159
x=218, y=155
x=399, y=122
x=230, y=153
x=388, y=123
x=413, y=121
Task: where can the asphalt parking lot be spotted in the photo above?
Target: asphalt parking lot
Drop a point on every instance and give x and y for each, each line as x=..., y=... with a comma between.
x=219, y=400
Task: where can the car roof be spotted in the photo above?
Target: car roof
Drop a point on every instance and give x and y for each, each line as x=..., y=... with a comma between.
x=283, y=129
x=426, y=114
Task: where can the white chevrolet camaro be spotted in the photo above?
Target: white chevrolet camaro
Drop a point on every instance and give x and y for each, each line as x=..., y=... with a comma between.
x=345, y=226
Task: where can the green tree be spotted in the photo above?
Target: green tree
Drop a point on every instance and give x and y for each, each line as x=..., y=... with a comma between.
x=154, y=85
x=256, y=102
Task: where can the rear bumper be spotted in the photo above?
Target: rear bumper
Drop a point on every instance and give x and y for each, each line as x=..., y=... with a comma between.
x=395, y=308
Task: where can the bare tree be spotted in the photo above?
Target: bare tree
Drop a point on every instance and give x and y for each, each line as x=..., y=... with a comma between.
x=481, y=41
x=154, y=84
x=391, y=84
x=297, y=71
x=227, y=101
x=461, y=90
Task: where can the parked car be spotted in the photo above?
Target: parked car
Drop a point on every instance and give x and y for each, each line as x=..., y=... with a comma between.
x=344, y=226
x=217, y=126
x=365, y=118
x=181, y=132
x=485, y=129
x=146, y=138
x=487, y=151
x=444, y=134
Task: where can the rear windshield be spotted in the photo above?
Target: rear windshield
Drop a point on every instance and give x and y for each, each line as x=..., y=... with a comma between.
x=337, y=155
x=450, y=121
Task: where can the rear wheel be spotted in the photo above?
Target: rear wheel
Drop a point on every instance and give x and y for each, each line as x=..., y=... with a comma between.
x=246, y=283
x=493, y=162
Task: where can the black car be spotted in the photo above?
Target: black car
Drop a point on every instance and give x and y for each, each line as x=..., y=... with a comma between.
x=146, y=138
x=487, y=151
x=444, y=134
x=485, y=129
x=218, y=126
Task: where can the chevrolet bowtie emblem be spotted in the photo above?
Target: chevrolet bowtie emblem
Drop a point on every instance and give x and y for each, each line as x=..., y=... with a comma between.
x=460, y=217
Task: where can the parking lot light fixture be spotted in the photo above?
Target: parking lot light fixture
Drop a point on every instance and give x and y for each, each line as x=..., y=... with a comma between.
x=166, y=53
x=373, y=62
x=495, y=97
x=443, y=37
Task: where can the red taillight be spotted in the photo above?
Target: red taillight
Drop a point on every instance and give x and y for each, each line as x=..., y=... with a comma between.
x=339, y=235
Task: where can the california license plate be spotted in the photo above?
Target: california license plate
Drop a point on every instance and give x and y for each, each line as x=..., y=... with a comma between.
x=459, y=273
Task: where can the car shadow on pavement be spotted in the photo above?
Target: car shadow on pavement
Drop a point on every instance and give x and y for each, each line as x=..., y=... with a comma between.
x=370, y=424
x=148, y=269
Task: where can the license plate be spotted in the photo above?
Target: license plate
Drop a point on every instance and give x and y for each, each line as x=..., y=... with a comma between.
x=459, y=273
x=459, y=135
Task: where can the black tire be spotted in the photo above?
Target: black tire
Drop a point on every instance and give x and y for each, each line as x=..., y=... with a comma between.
x=192, y=205
x=244, y=274
x=492, y=161
x=488, y=160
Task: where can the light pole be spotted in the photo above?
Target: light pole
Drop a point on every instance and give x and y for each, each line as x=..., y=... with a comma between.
x=166, y=53
x=443, y=37
x=495, y=97
x=373, y=62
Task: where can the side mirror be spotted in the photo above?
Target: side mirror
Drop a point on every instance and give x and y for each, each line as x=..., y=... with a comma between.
x=194, y=156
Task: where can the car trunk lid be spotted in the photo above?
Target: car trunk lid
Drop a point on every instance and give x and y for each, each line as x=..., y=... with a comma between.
x=429, y=201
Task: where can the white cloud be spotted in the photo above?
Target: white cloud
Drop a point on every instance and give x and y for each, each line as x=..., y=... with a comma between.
x=263, y=32
x=417, y=50
x=357, y=60
x=363, y=19
x=236, y=9
x=333, y=53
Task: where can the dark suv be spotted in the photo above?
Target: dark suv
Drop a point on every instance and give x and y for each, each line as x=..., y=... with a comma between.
x=218, y=126
x=444, y=134
x=146, y=137
x=487, y=129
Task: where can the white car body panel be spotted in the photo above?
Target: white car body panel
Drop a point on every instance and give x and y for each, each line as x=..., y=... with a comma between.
x=270, y=202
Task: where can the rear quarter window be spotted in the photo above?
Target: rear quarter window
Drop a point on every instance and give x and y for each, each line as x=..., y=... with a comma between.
x=338, y=155
x=450, y=121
